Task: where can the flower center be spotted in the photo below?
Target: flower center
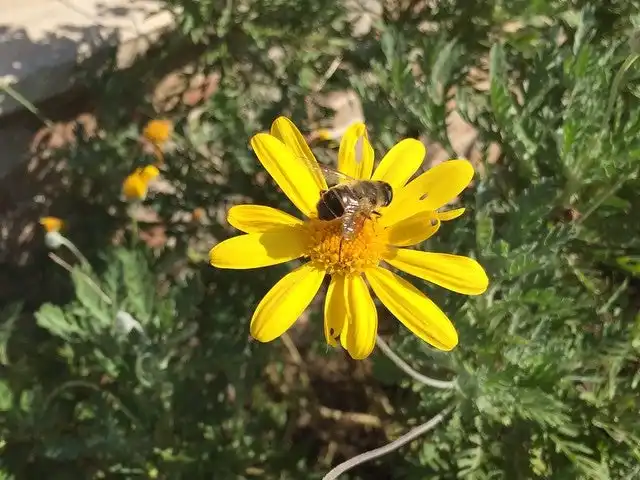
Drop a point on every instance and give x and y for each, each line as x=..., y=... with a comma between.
x=330, y=251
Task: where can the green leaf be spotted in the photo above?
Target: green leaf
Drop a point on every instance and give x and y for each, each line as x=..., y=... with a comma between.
x=100, y=313
x=8, y=318
x=53, y=319
x=6, y=396
x=138, y=284
x=484, y=231
x=500, y=99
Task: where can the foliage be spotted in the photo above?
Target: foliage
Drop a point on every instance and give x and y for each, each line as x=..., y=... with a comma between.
x=547, y=365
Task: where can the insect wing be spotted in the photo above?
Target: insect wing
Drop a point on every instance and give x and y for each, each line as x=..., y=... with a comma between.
x=332, y=176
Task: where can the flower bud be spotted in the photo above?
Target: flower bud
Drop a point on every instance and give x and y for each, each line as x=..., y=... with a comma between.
x=53, y=240
x=125, y=323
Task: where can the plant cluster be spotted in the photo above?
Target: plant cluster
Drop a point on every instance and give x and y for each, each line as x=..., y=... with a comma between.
x=142, y=366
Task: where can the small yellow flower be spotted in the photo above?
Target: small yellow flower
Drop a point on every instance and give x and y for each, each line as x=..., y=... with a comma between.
x=158, y=131
x=136, y=185
x=350, y=317
x=51, y=224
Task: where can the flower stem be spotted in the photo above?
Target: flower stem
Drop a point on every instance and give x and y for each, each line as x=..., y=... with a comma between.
x=404, y=366
x=603, y=198
x=76, y=251
x=407, y=437
x=389, y=447
x=135, y=230
x=84, y=276
x=25, y=103
x=82, y=384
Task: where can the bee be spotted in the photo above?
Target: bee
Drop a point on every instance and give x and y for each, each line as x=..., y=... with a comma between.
x=350, y=199
x=347, y=198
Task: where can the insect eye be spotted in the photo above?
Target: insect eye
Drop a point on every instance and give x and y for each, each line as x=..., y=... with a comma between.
x=388, y=192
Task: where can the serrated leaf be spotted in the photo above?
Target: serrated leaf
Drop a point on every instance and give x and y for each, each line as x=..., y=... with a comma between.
x=53, y=319
x=500, y=100
x=138, y=284
x=99, y=311
x=484, y=231
x=441, y=72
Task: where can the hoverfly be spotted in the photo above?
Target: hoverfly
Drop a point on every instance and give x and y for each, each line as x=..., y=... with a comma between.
x=348, y=198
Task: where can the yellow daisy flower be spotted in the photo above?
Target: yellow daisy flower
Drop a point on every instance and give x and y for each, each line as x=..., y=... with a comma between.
x=350, y=317
x=51, y=224
x=136, y=185
x=158, y=131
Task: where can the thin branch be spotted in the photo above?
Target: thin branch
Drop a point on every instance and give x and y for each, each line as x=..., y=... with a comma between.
x=388, y=448
x=328, y=74
x=359, y=418
x=404, y=366
x=291, y=347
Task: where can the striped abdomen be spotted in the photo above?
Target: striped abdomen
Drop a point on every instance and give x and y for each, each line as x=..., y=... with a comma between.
x=333, y=201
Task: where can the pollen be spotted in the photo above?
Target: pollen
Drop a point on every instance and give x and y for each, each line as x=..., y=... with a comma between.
x=330, y=251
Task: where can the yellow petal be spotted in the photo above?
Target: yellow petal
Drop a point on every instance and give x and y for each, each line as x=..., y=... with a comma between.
x=453, y=272
x=258, y=218
x=285, y=130
x=409, y=305
x=254, y=250
x=291, y=173
x=51, y=224
x=359, y=335
x=158, y=131
x=413, y=230
x=431, y=190
x=400, y=163
x=335, y=309
x=148, y=173
x=285, y=302
x=355, y=156
x=134, y=187
x=450, y=214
